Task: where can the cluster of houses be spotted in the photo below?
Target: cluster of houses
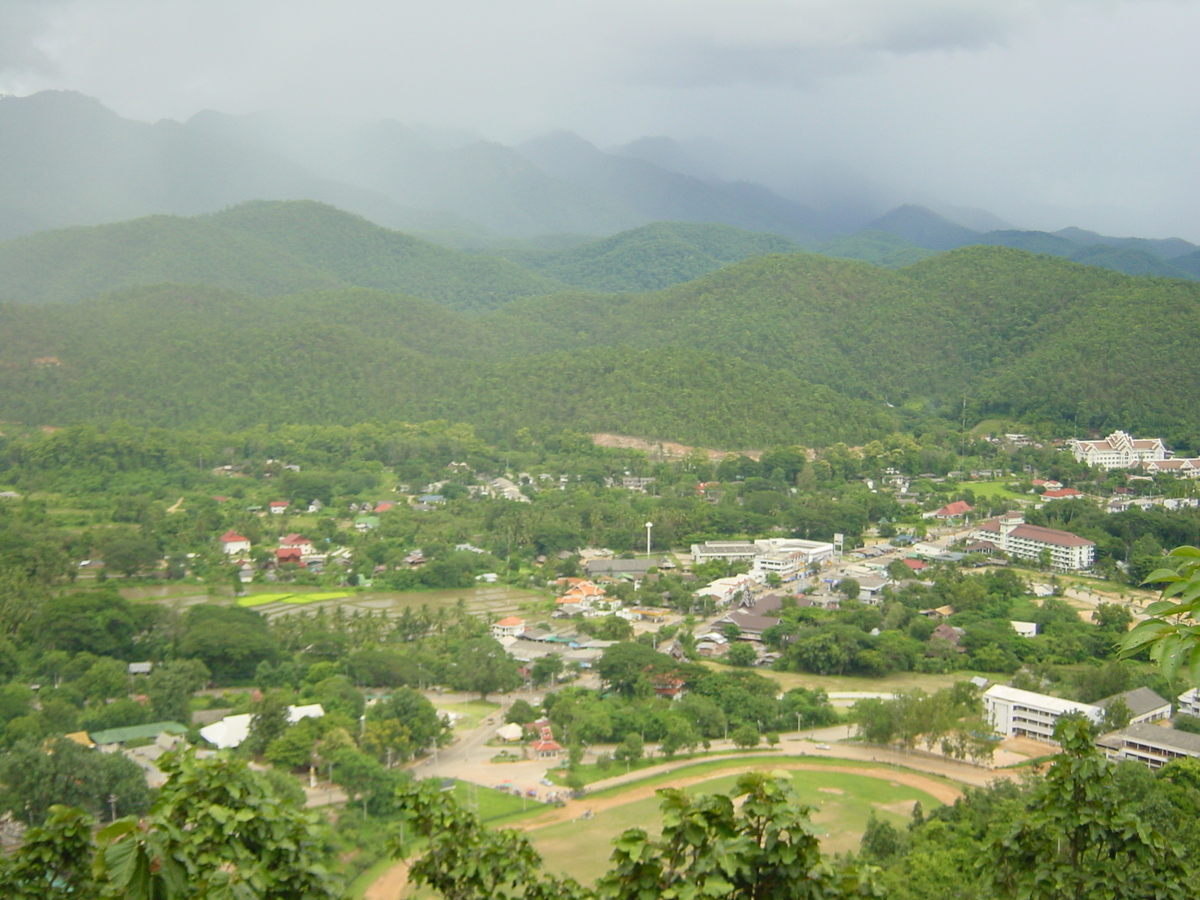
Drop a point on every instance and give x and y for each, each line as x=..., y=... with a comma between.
x=1147, y=738
x=527, y=645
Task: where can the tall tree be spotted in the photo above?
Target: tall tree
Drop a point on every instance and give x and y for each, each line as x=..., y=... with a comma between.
x=1076, y=842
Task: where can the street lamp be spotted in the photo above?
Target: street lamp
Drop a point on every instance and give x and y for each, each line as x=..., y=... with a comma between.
x=649, y=525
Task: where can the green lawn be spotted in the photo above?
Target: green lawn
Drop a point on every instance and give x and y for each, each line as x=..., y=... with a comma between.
x=841, y=804
x=995, y=490
x=897, y=681
x=491, y=804
x=591, y=772
x=472, y=712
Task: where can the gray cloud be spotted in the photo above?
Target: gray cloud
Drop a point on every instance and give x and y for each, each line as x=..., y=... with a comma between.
x=1048, y=112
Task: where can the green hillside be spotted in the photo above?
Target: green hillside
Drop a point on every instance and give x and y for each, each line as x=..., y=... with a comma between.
x=177, y=356
x=777, y=348
x=363, y=254
x=972, y=321
x=652, y=257
x=74, y=264
x=877, y=247
x=263, y=248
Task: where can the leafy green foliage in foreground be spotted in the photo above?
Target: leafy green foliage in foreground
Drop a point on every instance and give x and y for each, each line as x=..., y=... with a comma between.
x=217, y=830
x=1172, y=627
x=1088, y=828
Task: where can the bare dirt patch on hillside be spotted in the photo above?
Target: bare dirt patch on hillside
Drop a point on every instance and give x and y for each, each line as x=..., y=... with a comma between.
x=669, y=449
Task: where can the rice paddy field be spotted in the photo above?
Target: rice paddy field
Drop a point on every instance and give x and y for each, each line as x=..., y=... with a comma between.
x=492, y=601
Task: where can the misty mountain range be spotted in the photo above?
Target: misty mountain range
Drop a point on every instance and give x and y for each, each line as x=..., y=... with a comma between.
x=66, y=160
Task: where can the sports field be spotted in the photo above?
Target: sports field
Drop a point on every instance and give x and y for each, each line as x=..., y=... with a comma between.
x=842, y=799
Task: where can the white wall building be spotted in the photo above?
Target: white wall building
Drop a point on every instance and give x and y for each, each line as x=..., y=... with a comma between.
x=805, y=552
x=1119, y=451
x=730, y=551
x=724, y=590
x=1011, y=534
x=810, y=551
x=1189, y=702
x=1017, y=713
x=1179, y=467
x=1152, y=745
x=785, y=565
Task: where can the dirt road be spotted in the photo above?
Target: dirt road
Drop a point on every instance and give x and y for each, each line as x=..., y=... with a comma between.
x=390, y=885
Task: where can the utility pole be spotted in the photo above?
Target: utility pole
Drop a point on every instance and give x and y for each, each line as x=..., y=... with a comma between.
x=649, y=525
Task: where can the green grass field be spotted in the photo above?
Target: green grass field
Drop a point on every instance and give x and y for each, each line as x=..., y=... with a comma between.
x=472, y=712
x=996, y=490
x=491, y=804
x=841, y=803
x=897, y=681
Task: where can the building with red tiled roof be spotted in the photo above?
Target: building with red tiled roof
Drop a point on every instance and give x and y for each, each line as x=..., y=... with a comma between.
x=278, y=507
x=1063, y=494
x=952, y=510
x=233, y=543
x=289, y=555
x=1014, y=537
x=510, y=626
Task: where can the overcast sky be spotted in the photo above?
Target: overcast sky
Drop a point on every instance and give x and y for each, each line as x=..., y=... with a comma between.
x=1046, y=112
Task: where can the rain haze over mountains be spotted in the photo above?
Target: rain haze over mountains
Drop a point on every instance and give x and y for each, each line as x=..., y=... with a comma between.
x=526, y=118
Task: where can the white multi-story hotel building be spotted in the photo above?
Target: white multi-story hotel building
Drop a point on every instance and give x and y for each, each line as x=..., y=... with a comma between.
x=1017, y=713
x=1119, y=451
x=1011, y=535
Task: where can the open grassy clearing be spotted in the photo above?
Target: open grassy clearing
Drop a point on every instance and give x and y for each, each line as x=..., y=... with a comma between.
x=472, y=712
x=897, y=681
x=995, y=490
x=490, y=804
x=841, y=802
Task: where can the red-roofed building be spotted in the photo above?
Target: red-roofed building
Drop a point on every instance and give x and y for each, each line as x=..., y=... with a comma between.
x=511, y=626
x=545, y=747
x=1011, y=534
x=234, y=544
x=582, y=593
x=298, y=542
x=952, y=510
x=1063, y=494
x=917, y=565
x=278, y=507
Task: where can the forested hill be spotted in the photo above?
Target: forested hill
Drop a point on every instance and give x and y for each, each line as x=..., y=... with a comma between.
x=778, y=348
x=1015, y=334
x=268, y=248
x=261, y=248
x=652, y=257
x=189, y=356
